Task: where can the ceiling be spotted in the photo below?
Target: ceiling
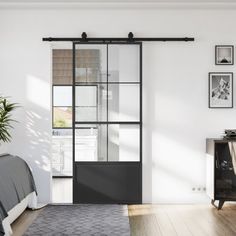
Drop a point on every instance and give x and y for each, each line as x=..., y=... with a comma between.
x=118, y=1
x=132, y=4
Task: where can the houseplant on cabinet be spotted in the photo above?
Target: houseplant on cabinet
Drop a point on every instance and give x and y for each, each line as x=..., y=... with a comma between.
x=6, y=108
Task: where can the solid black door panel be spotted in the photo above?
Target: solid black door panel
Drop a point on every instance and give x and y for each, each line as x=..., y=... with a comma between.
x=108, y=182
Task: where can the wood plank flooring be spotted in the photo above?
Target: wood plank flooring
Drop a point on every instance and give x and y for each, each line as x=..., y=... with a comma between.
x=165, y=220
x=24, y=221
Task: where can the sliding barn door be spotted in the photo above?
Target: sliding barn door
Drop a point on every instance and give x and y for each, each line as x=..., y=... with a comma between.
x=107, y=123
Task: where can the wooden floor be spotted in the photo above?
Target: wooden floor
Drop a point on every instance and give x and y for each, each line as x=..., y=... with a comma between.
x=166, y=220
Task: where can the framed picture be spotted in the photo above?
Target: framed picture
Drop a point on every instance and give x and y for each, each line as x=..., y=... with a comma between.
x=220, y=90
x=224, y=55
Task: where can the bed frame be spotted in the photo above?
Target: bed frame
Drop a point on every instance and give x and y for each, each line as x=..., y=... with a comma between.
x=30, y=201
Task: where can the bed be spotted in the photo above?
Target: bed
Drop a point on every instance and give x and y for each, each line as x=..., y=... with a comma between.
x=17, y=190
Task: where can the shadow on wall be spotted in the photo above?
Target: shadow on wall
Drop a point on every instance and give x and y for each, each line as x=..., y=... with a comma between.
x=32, y=135
x=174, y=142
x=40, y=147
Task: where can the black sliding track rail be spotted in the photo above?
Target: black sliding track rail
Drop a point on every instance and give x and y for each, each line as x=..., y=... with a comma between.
x=107, y=40
x=130, y=39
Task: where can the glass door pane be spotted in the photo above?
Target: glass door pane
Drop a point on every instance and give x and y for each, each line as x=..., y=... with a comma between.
x=123, y=102
x=91, y=103
x=123, y=143
x=124, y=63
x=91, y=63
x=91, y=143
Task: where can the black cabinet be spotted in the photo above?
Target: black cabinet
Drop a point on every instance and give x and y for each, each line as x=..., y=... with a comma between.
x=221, y=170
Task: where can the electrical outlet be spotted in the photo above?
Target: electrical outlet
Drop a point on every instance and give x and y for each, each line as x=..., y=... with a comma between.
x=199, y=189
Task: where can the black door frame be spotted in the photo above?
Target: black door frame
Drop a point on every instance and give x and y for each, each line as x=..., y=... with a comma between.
x=74, y=122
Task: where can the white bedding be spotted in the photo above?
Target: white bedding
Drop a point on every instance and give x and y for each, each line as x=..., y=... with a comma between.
x=30, y=201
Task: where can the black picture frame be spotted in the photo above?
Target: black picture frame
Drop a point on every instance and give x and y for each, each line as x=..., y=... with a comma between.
x=221, y=92
x=224, y=55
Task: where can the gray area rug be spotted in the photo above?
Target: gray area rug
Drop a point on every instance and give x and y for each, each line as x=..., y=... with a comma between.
x=84, y=220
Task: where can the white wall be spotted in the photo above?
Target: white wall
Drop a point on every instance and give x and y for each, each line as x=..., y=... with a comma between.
x=176, y=115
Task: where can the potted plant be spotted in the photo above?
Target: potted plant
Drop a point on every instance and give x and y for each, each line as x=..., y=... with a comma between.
x=6, y=108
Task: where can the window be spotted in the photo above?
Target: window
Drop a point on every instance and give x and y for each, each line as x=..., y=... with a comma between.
x=62, y=112
x=62, y=106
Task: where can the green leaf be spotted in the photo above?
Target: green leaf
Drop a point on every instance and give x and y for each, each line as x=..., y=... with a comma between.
x=6, y=108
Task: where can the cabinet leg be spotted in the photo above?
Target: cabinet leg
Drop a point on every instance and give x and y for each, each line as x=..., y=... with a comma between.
x=213, y=202
x=220, y=205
